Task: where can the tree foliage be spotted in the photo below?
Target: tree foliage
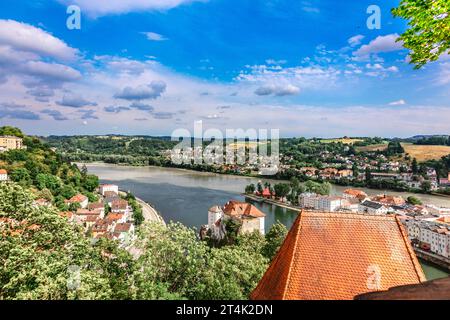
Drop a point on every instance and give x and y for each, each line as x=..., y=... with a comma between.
x=45, y=257
x=428, y=35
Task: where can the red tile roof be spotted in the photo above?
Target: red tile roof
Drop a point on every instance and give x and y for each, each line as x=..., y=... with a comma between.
x=242, y=209
x=120, y=204
x=329, y=256
x=114, y=216
x=96, y=205
x=122, y=227
x=77, y=198
x=355, y=193
x=3, y=171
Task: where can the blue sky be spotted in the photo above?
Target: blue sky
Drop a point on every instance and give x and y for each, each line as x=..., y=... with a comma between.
x=308, y=68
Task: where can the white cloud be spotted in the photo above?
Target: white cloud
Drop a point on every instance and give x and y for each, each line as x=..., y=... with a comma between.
x=53, y=71
x=378, y=70
x=75, y=101
x=151, y=91
x=355, y=40
x=26, y=38
x=279, y=91
x=400, y=102
x=97, y=8
x=275, y=78
x=153, y=36
x=380, y=44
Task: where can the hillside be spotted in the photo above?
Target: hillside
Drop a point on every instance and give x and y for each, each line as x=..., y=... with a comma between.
x=46, y=174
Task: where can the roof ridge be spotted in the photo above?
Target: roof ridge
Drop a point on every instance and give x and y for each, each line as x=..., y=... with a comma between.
x=299, y=218
x=347, y=215
x=415, y=261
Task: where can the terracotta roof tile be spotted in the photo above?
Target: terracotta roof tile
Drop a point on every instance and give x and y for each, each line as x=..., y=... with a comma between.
x=329, y=256
x=242, y=209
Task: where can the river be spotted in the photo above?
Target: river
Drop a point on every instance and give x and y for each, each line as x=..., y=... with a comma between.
x=185, y=196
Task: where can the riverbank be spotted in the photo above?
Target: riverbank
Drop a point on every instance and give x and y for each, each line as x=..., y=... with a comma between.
x=237, y=183
x=270, y=201
x=435, y=259
x=149, y=213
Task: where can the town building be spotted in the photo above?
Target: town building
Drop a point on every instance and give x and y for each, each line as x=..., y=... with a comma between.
x=389, y=200
x=10, y=143
x=108, y=188
x=42, y=203
x=79, y=198
x=433, y=236
x=372, y=208
x=322, y=203
x=445, y=182
x=346, y=173
x=97, y=206
x=3, y=175
x=356, y=253
x=250, y=218
x=120, y=206
x=215, y=216
x=124, y=232
x=384, y=176
x=355, y=193
x=350, y=204
x=109, y=197
x=440, y=211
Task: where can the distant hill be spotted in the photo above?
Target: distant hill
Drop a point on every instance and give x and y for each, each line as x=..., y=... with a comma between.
x=420, y=137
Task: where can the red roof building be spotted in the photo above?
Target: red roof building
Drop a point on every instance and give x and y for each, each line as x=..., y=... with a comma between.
x=329, y=256
x=242, y=209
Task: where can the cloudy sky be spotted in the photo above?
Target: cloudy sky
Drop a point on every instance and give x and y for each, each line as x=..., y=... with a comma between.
x=308, y=68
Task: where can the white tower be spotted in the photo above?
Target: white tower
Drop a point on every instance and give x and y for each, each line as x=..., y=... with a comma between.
x=214, y=214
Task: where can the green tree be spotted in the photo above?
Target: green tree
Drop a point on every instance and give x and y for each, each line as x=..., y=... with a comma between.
x=426, y=186
x=414, y=200
x=274, y=239
x=428, y=35
x=90, y=182
x=250, y=189
x=171, y=261
x=414, y=166
x=368, y=175
x=259, y=188
x=21, y=175
x=46, y=257
x=11, y=131
x=282, y=189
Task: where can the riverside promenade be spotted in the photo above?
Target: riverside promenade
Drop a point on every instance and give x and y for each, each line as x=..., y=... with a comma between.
x=150, y=213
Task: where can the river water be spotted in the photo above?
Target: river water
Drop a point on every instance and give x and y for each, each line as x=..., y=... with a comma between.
x=185, y=196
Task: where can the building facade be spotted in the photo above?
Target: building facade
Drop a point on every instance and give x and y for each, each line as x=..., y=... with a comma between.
x=10, y=143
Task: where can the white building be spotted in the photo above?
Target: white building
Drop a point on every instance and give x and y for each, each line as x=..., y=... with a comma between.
x=108, y=188
x=435, y=236
x=3, y=175
x=440, y=211
x=322, y=203
x=374, y=208
x=215, y=215
x=330, y=204
x=308, y=200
